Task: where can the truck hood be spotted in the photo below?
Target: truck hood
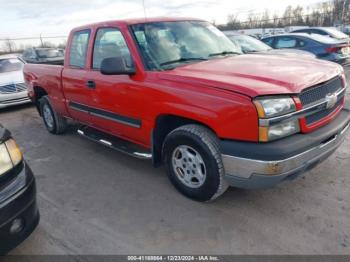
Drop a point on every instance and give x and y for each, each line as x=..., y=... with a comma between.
x=256, y=75
x=11, y=78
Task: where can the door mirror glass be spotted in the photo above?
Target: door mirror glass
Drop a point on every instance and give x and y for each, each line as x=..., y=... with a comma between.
x=116, y=66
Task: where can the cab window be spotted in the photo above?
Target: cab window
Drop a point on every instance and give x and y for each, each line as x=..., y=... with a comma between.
x=110, y=43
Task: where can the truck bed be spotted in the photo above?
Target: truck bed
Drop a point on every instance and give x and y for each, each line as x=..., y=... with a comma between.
x=49, y=76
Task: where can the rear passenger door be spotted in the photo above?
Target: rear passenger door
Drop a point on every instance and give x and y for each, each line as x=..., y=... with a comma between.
x=74, y=81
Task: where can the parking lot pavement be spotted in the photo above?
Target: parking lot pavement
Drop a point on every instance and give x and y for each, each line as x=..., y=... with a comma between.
x=94, y=200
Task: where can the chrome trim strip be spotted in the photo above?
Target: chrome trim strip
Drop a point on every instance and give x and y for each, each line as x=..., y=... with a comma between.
x=301, y=113
x=245, y=167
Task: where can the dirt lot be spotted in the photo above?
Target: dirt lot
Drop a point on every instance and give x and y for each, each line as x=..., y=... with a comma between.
x=94, y=200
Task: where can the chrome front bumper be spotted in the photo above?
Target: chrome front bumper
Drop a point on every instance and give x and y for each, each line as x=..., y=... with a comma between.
x=253, y=173
x=14, y=99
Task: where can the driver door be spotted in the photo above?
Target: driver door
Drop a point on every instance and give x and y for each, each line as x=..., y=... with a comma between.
x=115, y=96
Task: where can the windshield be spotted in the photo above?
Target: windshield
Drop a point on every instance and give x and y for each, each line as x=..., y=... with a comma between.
x=49, y=53
x=249, y=44
x=336, y=33
x=10, y=65
x=166, y=45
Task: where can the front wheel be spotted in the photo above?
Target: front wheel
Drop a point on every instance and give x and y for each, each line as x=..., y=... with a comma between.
x=193, y=162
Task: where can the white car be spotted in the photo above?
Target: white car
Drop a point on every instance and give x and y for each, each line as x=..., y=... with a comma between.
x=13, y=90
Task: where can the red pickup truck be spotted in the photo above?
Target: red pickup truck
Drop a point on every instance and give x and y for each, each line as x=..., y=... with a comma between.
x=178, y=92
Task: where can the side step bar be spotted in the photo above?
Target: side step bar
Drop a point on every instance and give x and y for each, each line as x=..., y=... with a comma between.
x=115, y=143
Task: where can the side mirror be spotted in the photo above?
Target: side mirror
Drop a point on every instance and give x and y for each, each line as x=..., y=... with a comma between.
x=116, y=66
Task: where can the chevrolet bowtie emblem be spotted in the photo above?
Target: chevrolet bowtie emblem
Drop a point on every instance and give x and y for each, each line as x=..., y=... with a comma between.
x=331, y=100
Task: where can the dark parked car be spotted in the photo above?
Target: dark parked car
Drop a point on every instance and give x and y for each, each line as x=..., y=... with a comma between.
x=248, y=45
x=35, y=55
x=19, y=214
x=325, y=31
x=322, y=46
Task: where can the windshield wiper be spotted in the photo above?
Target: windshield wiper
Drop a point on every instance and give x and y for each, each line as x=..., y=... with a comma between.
x=183, y=59
x=225, y=53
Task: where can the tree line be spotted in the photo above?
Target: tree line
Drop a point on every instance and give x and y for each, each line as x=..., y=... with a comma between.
x=327, y=13
x=8, y=46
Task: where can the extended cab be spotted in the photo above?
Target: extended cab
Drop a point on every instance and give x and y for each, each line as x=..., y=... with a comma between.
x=178, y=92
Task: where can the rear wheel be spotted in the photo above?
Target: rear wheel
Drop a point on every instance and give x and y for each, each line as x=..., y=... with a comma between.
x=54, y=123
x=193, y=162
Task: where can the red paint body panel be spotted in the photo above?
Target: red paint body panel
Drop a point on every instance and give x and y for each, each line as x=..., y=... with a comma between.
x=217, y=93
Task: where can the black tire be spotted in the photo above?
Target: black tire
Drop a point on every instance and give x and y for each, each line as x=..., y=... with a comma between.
x=202, y=141
x=58, y=125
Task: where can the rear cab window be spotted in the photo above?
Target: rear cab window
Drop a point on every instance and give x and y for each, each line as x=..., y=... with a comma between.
x=78, y=49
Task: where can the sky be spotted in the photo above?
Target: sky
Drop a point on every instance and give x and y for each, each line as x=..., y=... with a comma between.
x=30, y=18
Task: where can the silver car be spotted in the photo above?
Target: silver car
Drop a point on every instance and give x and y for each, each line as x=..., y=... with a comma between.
x=13, y=90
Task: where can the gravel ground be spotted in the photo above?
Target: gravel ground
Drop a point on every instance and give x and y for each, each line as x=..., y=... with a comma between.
x=94, y=200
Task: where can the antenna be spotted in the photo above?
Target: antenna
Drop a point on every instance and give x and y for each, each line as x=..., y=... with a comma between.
x=144, y=9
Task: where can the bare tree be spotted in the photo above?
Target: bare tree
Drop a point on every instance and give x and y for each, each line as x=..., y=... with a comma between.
x=327, y=13
x=63, y=44
x=9, y=45
x=234, y=22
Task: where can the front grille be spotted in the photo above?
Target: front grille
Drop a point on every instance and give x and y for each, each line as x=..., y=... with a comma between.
x=322, y=114
x=13, y=88
x=319, y=92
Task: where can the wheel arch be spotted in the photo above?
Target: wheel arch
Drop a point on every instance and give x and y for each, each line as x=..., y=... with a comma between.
x=39, y=92
x=164, y=124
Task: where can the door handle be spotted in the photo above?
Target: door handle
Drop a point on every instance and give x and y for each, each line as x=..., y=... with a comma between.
x=91, y=84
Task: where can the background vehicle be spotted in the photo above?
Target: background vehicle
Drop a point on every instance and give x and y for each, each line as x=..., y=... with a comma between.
x=325, y=31
x=19, y=214
x=13, y=90
x=323, y=47
x=178, y=91
x=248, y=45
x=52, y=56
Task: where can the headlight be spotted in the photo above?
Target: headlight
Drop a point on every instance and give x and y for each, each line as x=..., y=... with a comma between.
x=274, y=107
x=5, y=160
x=10, y=156
x=278, y=131
x=271, y=107
x=14, y=151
